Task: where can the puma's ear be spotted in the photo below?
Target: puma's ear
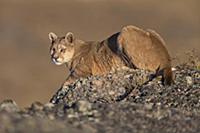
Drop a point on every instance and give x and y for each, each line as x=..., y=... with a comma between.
x=52, y=36
x=69, y=37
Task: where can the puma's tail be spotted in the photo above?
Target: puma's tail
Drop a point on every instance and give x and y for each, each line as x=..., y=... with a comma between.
x=167, y=76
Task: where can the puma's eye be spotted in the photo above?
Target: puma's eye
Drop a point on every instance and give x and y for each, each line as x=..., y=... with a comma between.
x=62, y=50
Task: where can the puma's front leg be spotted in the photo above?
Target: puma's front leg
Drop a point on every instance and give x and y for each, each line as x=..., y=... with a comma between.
x=63, y=91
x=70, y=79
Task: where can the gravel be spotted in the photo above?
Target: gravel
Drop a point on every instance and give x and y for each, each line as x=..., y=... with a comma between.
x=121, y=101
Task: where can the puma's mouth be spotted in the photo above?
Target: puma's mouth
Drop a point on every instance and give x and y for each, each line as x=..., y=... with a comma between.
x=56, y=62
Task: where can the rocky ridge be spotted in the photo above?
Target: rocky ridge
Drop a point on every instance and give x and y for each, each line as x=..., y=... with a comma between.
x=121, y=101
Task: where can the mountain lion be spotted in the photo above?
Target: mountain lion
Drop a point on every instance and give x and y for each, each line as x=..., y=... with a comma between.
x=131, y=47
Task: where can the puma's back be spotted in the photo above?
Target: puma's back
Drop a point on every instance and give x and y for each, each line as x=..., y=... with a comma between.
x=146, y=50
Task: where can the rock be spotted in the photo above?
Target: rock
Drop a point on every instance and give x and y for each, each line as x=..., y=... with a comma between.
x=189, y=80
x=120, y=101
x=108, y=88
x=9, y=106
x=37, y=106
x=83, y=106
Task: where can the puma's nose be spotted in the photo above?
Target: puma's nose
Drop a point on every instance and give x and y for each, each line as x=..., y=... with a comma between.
x=55, y=56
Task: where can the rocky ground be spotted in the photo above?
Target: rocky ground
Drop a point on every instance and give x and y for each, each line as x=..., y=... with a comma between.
x=122, y=101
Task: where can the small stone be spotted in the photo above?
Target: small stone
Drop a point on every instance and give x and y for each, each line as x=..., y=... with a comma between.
x=51, y=116
x=37, y=106
x=9, y=106
x=72, y=116
x=158, y=104
x=98, y=83
x=49, y=105
x=111, y=92
x=189, y=80
x=149, y=106
x=83, y=106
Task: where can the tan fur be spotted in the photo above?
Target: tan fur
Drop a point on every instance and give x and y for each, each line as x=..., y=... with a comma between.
x=94, y=58
x=131, y=47
x=146, y=50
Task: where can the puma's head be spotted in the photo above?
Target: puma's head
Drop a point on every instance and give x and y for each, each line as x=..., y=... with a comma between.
x=62, y=48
